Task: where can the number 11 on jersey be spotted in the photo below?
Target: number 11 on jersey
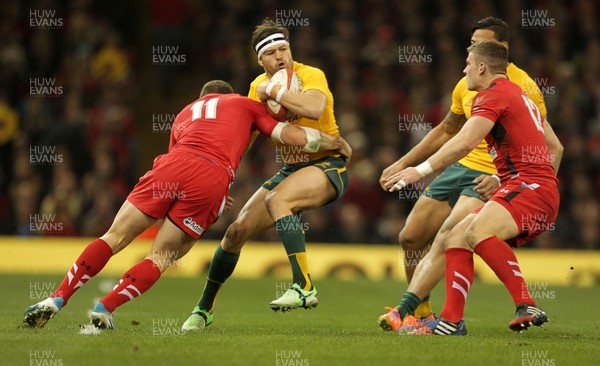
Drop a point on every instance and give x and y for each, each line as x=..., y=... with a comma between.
x=210, y=109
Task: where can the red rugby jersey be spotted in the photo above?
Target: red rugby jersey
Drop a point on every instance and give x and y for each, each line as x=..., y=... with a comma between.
x=218, y=127
x=516, y=142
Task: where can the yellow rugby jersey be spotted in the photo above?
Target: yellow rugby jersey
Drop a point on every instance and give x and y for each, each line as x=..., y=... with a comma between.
x=312, y=78
x=479, y=158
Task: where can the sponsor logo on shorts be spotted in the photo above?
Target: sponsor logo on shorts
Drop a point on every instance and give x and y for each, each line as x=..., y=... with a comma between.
x=324, y=164
x=189, y=222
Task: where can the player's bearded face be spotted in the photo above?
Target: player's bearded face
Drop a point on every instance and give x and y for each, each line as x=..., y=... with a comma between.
x=276, y=58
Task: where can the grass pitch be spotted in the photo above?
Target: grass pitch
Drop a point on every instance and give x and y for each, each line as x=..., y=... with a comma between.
x=342, y=330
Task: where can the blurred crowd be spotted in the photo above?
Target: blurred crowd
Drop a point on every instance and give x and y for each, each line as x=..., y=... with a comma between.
x=67, y=107
x=384, y=103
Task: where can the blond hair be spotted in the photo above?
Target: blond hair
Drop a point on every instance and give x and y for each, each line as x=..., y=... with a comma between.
x=492, y=53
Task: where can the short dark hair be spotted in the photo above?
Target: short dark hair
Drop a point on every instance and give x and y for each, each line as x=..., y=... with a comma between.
x=496, y=25
x=216, y=87
x=493, y=54
x=265, y=29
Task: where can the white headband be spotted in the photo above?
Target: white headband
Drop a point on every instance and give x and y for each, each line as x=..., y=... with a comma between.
x=272, y=40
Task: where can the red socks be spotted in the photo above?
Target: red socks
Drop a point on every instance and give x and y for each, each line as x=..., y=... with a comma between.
x=459, y=277
x=500, y=257
x=91, y=261
x=135, y=282
x=94, y=257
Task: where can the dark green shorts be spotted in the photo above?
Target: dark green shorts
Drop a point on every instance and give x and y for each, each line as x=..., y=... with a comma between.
x=455, y=181
x=333, y=167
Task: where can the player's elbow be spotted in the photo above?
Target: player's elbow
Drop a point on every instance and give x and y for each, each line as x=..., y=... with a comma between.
x=558, y=148
x=556, y=154
x=555, y=148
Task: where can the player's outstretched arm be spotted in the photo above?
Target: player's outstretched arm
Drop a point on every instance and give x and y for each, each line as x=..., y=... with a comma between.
x=555, y=148
x=476, y=128
x=431, y=143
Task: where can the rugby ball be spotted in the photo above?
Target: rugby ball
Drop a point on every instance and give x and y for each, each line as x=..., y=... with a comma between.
x=288, y=79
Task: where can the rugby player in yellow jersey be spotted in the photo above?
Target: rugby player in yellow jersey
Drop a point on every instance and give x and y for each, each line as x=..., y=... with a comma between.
x=306, y=181
x=460, y=189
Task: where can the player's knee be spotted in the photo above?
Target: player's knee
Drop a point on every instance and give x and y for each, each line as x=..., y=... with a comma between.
x=236, y=235
x=472, y=236
x=273, y=200
x=410, y=239
x=439, y=243
x=454, y=239
x=117, y=239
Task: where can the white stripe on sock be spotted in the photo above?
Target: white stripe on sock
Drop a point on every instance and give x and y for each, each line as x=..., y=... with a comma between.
x=134, y=289
x=460, y=288
x=81, y=283
x=71, y=275
x=117, y=285
x=126, y=293
x=464, y=279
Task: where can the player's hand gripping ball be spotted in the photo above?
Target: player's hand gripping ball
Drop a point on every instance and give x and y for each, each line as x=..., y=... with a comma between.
x=289, y=80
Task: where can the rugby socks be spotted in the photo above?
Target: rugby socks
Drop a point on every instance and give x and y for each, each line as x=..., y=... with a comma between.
x=291, y=234
x=137, y=280
x=459, y=277
x=91, y=261
x=408, y=304
x=501, y=259
x=424, y=308
x=221, y=268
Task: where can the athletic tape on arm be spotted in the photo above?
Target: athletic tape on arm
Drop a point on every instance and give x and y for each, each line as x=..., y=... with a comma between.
x=313, y=139
x=276, y=134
